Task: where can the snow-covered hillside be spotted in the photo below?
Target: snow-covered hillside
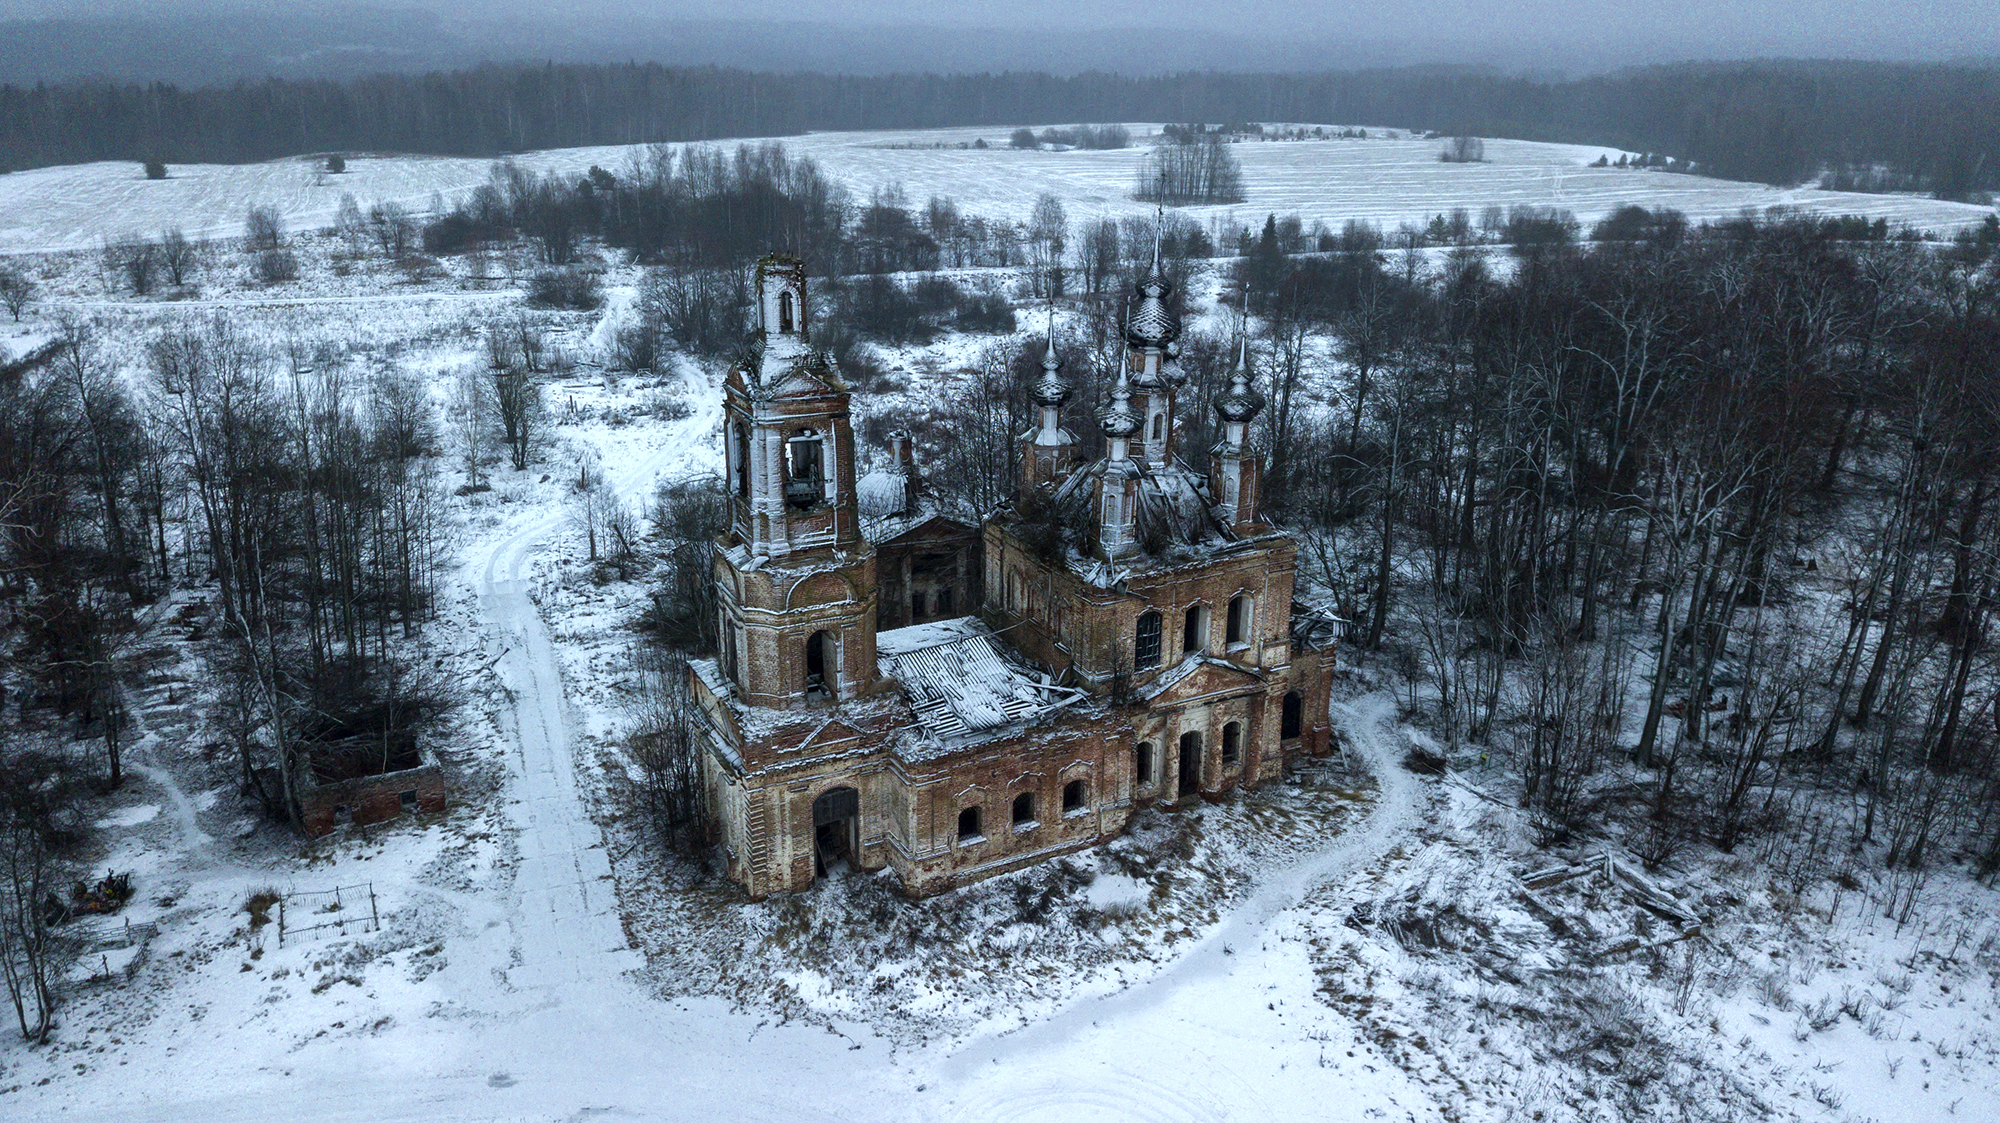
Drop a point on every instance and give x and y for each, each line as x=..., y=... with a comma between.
x=1388, y=179
x=1353, y=945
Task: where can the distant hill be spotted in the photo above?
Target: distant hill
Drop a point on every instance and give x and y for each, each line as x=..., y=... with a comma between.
x=1931, y=128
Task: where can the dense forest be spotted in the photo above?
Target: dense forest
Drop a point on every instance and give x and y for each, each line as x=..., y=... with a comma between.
x=1929, y=128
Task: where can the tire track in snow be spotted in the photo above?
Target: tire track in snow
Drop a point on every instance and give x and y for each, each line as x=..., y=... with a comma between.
x=568, y=925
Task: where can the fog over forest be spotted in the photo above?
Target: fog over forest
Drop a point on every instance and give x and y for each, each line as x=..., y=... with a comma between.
x=220, y=41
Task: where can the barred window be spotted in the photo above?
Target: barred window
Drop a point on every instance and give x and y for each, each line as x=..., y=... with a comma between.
x=1146, y=649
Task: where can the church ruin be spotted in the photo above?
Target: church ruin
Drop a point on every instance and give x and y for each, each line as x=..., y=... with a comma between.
x=895, y=688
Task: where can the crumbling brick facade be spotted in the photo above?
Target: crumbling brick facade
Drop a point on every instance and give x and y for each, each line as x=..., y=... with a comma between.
x=1152, y=658
x=371, y=799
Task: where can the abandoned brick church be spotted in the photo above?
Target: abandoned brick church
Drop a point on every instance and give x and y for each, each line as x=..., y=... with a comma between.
x=895, y=688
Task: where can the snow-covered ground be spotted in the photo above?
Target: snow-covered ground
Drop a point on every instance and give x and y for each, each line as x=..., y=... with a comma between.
x=1390, y=178
x=1353, y=946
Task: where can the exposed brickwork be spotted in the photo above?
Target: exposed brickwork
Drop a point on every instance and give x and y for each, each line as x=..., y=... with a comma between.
x=814, y=756
x=371, y=799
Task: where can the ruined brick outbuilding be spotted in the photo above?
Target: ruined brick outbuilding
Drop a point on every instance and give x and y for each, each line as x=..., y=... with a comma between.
x=897, y=689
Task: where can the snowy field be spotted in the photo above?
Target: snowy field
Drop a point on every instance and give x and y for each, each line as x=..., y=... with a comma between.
x=1389, y=179
x=1356, y=946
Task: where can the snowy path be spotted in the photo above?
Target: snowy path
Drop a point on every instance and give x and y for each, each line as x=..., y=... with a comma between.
x=1128, y=1055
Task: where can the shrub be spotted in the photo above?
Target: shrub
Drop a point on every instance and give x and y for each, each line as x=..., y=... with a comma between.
x=274, y=266
x=571, y=289
x=336, y=164
x=156, y=169
x=1022, y=138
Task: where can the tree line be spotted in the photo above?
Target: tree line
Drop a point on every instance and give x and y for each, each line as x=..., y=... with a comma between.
x=1928, y=127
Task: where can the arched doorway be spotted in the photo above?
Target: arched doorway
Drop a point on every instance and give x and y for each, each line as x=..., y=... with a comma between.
x=836, y=830
x=1190, y=765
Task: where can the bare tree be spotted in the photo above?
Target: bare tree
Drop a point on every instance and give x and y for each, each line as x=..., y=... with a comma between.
x=177, y=256
x=1048, y=238
x=17, y=290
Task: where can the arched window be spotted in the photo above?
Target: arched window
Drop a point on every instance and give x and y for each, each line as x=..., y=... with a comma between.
x=1239, y=618
x=1295, y=712
x=1194, y=629
x=1159, y=426
x=1146, y=647
x=729, y=664
x=1024, y=809
x=1232, y=742
x=968, y=824
x=784, y=311
x=1074, y=796
x=807, y=483
x=822, y=666
x=1142, y=764
x=743, y=461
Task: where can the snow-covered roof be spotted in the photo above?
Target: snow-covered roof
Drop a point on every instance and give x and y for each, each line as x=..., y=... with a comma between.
x=960, y=683
x=884, y=490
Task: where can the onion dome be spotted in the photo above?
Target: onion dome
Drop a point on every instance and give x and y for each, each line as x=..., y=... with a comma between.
x=1050, y=389
x=1239, y=403
x=1118, y=418
x=1152, y=323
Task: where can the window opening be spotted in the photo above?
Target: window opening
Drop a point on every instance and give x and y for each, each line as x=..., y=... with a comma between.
x=1193, y=637
x=916, y=608
x=1142, y=763
x=743, y=461
x=819, y=665
x=784, y=311
x=808, y=476
x=1073, y=796
x=944, y=602
x=1239, y=619
x=1146, y=648
x=1294, y=716
x=1159, y=422
x=968, y=824
x=1232, y=742
x=1024, y=808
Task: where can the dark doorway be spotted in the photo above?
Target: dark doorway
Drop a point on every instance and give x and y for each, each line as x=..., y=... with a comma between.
x=836, y=830
x=1190, y=769
x=1295, y=712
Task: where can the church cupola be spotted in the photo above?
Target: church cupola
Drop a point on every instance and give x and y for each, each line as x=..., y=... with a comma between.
x=1235, y=471
x=781, y=297
x=1151, y=331
x=1118, y=484
x=1050, y=449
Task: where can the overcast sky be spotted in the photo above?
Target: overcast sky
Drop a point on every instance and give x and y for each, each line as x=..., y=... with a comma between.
x=1550, y=36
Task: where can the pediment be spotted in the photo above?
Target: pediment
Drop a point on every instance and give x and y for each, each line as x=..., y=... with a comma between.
x=935, y=528
x=832, y=731
x=1208, y=677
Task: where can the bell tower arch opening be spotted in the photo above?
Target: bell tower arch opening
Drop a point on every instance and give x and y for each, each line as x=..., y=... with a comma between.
x=822, y=667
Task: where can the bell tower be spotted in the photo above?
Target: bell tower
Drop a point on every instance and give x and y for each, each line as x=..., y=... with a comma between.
x=795, y=580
